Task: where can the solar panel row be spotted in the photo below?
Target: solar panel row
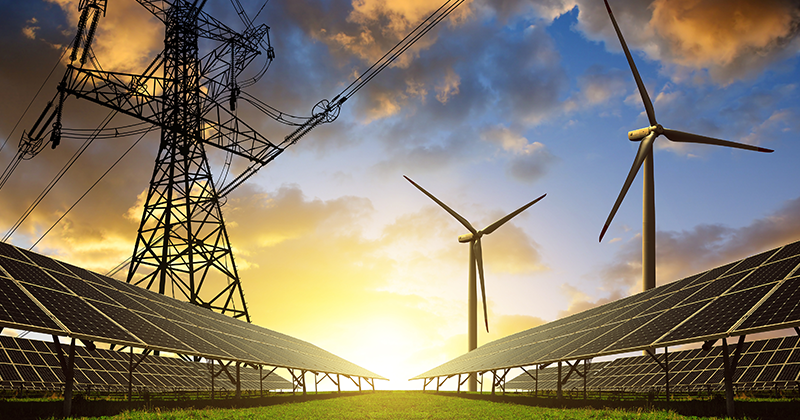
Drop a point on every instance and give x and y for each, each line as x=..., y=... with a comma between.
x=755, y=294
x=52, y=297
x=33, y=364
x=763, y=364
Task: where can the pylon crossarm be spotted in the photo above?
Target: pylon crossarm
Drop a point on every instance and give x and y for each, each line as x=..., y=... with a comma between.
x=131, y=94
x=157, y=7
x=139, y=96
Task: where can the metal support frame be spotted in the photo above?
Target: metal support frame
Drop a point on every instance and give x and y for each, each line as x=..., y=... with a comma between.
x=664, y=366
x=558, y=383
x=298, y=381
x=573, y=367
x=426, y=382
x=132, y=367
x=499, y=380
x=729, y=366
x=460, y=382
x=535, y=379
x=68, y=367
x=224, y=368
x=327, y=375
x=261, y=378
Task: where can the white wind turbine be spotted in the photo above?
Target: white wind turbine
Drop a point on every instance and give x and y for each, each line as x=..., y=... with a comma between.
x=644, y=156
x=475, y=259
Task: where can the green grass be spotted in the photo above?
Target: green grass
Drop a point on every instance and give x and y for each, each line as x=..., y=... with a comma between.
x=398, y=405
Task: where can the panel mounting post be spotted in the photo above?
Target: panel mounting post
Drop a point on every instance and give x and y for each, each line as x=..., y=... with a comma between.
x=558, y=387
x=68, y=367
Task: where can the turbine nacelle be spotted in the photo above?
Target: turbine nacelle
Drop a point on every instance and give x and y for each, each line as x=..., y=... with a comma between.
x=469, y=237
x=638, y=135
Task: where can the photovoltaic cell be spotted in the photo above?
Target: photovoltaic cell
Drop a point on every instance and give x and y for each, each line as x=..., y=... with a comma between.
x=719, y=316
x=783, y=307
x=20, y=311
x=43, y=261
x=757, y=368
x=79, y=317
x=143, y=329
x=789, y=250
x=108, y=369
x=30, y=274
x=769, y=273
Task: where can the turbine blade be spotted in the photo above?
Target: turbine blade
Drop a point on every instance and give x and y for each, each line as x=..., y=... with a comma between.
x=491, y=228
x=648, y=106
x=644, y=149
x=444, y=206
x=479, y=260
x=680, y=136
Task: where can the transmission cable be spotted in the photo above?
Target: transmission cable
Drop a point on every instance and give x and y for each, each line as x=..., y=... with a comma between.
x=92, y=187
x=35, y=96
x=423, y=28
x=57, y=178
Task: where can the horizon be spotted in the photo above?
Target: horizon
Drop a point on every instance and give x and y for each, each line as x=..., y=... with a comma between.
x=500, y=104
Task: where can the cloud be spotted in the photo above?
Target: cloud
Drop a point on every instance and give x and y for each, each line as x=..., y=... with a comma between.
x=127, y=37
x=684, y=253
x=730, y=40
x=546, y=9
x=449, y=87
x=528, y=161
x=30, y=31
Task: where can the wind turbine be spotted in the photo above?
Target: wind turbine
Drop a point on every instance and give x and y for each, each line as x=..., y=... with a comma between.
x=475, y=259
x=644, y=156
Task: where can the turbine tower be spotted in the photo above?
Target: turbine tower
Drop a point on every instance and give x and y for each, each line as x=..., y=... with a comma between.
x=475, y=260
x=644, y=156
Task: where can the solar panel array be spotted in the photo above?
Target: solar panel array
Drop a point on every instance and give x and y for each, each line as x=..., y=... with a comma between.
x=763, y=364
x=33, y=364
x=47, y=296
x=759, y=293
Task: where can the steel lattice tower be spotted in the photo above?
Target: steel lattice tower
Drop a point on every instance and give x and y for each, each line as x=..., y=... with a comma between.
x=182, y=238
x=182, y=246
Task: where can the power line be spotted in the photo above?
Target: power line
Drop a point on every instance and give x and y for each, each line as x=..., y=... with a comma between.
x=57, y=178
x=34, y=97
x=92, y=187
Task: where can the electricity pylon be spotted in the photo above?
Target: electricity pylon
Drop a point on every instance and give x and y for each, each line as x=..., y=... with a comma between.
x=182, y=243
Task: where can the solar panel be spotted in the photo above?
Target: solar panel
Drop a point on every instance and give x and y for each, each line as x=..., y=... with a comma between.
x=51, y=297
x=758, y=293
x=763, y=364
x=20, y=311
x=36, y=367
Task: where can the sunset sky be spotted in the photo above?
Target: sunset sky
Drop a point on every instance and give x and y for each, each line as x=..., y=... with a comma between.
x=503, y=102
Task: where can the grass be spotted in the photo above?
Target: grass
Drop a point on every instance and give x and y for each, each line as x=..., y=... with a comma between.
x=398, y=405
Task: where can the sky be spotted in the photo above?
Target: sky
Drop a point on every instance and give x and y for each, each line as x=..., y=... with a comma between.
x=504, y=101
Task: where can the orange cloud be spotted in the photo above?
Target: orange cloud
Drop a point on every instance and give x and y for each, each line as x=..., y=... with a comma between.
x=128, y=37
x=730, y=38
